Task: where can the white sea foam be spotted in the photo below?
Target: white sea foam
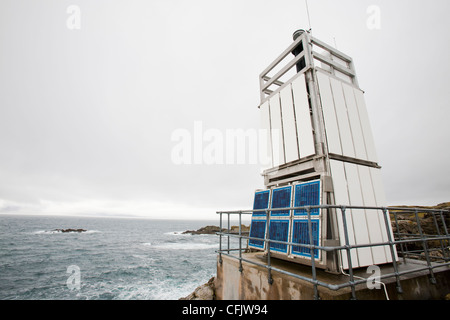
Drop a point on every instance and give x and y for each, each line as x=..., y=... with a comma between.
x=145, y=289
x=46, y=232
x=177, y=233
x=160, y=290
x=143, y=257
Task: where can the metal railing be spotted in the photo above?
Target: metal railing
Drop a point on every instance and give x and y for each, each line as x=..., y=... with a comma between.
x=429, y=243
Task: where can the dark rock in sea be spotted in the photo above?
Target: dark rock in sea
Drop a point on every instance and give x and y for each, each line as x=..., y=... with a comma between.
x=215, y=229
x=204, y=230
x=70, y=230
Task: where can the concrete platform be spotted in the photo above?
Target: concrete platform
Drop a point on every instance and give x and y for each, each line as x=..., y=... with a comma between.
x=252, y=283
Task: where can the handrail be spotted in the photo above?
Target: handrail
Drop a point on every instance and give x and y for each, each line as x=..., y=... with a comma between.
x=400, y=241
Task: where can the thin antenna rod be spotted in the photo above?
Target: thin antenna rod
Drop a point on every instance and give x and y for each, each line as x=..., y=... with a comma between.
x=307, y=11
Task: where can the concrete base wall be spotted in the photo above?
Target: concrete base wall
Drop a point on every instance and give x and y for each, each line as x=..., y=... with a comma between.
x=252, y=283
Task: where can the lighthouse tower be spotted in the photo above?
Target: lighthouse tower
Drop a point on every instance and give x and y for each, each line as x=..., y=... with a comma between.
x=322, y=152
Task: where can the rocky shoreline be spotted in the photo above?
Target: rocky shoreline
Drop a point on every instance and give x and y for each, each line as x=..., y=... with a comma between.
x=407, y=226
x=207, y=290
x=203, y=292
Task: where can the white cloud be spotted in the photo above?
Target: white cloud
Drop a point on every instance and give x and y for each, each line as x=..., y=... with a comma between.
x=86, y=116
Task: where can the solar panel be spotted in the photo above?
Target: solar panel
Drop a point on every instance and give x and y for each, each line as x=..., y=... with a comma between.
x=257, y=230
x=281, y=198
x=258, y=224
x=300, y=234
x=261, y=201
x=307, y=194
x=279, y=231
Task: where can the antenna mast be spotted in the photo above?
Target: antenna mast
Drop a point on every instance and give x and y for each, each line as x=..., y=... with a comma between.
x=309, y=18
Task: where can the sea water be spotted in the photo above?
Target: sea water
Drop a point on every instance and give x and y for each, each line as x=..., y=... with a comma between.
x=126, y=259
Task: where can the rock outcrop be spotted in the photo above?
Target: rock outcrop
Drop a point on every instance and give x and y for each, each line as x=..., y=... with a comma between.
x=215, y=229
x=406, y=227
x=203, y=292
x=244, y=228
x=204, y=230
x=407, y=222
x=70, y=230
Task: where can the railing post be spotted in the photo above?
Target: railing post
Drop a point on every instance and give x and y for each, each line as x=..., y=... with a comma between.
x=349, y=258
x=391, y=246
x=446, y=258
x=267, y=240
x=313, y=256
x=439, y=234
x=425, y=248
x=220, y=239
x=240, y=241
x=399, y=236
x=228, y=233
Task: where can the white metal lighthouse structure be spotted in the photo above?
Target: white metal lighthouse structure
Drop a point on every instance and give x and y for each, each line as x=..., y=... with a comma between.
x=322, y=153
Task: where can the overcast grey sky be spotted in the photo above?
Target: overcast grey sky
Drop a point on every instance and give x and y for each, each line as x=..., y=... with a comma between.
x=87, y=115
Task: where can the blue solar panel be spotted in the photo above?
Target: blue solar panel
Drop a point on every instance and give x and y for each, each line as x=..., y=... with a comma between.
x=281, y=198
x=257, y=230
x=307, y=194
x=279, y=231
x=261, y=201
x=300, y=234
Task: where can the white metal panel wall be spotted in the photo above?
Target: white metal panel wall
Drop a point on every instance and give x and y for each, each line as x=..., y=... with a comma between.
x=266, y=142
x=341, y=198
x=375, y=221
x=365, y=125
x=358, y=216
x=276, y=132
x=342, y=118
x=380, y=198
x=378, y=187
x=329, y=114
x=355, y=124
x=346, y=119
x=289, y=126
x=354, y=186
x=288, y=116
x=303, y=117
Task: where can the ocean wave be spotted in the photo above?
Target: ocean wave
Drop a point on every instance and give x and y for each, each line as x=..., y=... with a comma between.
x=143, y=257
x=135, y=260
x=170, y=289
x=177, y=233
